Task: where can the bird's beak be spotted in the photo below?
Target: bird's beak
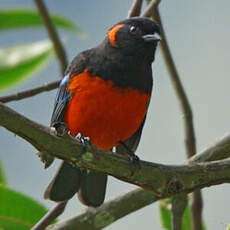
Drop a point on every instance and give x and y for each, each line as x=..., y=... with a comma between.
x=152, y=37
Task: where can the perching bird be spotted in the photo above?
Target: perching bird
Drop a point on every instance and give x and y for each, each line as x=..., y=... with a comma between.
x=104, y=95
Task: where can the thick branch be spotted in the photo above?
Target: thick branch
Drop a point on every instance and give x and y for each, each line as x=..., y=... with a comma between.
x=164, y=180
x=59, y=50
x=109, y=212
x=29, y=93
x=138, y=197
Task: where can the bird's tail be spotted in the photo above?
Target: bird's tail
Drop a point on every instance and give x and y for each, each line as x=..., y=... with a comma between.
x=90, y=185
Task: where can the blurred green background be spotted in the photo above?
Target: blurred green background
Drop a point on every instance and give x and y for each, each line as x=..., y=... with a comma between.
x=198, y=34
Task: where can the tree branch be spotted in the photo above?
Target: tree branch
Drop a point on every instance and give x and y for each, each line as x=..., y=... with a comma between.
x=179, y=203
x=190, y=141
x=138, y=197
x=59, y=50
x=170, y=179
x=31, y=92
x=109, y=212
x=150, y=10
x=135, y=9
x=219, y=150
x=50, y=216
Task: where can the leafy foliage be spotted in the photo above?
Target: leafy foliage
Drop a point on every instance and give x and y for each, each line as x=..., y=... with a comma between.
x=2, y=175
x=19, y=62
x=18, y=211
x=24, y=18
x=165, y=214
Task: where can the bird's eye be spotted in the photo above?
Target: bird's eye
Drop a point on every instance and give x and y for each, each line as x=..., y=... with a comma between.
x=133, y=29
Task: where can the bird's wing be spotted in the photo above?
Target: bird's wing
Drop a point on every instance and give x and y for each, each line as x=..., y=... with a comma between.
x=77, y=66
x=132, y=142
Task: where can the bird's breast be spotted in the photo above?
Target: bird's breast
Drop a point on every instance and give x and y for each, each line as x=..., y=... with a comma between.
x=104, y=112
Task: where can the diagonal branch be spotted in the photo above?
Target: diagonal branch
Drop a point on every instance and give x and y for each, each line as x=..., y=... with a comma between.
x=174, y=76
x=190, y=141
x=59, y=50
x=109, y=212
x=31, y=92
x=50, y=216
x=150, y=10
x=138, y=198
x=135, y=9
x=170, y=179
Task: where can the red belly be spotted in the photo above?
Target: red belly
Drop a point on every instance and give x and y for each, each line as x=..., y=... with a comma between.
x=105, y=113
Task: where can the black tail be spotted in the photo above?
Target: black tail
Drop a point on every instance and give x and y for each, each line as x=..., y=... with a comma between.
x=91, y=186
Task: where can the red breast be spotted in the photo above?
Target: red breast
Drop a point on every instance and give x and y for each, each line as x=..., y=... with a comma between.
x=104, y=112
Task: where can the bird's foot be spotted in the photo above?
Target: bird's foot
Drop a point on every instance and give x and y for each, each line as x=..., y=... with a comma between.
x=135, y=162
x=83, y=140
x=59, y=129
x=134, y=159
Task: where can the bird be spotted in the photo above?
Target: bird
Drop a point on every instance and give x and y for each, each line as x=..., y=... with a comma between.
x=103, y=99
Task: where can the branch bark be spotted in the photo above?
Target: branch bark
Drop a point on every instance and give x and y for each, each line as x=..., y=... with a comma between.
x=138, y=197
x=109, y=212
x=170, y=180
x=179, y=203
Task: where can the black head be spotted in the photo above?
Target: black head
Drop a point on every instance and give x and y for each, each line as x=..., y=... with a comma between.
x=136, y=36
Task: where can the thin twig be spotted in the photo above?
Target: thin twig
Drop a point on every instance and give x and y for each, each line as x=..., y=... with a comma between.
x=190, y=141
x=174, y=76
x=149, y=11
x=61, y=56
x=135, y=9
x=50, y=216
x=29, y=93
x=59, y=50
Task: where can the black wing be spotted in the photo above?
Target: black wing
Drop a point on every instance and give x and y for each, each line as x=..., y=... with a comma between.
x=62, y=99
x=132, y=142
x=63, y=96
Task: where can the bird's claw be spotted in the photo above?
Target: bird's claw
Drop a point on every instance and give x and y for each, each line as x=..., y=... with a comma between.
x=58, y=129
x=135, y=162
x=134, y=159
x=83, y=140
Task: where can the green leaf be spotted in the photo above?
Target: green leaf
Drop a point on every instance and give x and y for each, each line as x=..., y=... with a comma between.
x=24, y=18
x=2, y=175
x=18, y=211
x=165, y=214
x=186, y=222
x=19, y=62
